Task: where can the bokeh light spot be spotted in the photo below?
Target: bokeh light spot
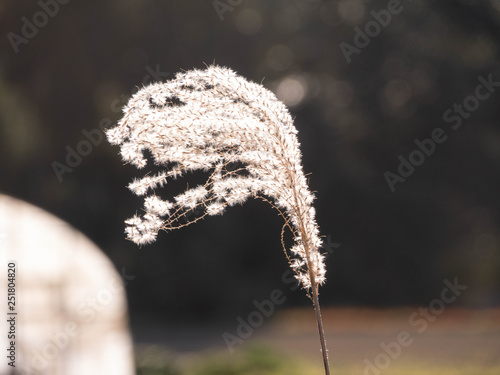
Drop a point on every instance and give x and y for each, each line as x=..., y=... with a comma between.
x=248, y=21
x=352, y=11
x=292, y=90
x=397, y=92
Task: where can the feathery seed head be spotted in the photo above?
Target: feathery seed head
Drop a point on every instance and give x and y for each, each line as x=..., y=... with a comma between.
x=211, y=120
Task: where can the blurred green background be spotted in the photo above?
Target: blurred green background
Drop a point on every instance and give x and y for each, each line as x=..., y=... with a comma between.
x=390, y=248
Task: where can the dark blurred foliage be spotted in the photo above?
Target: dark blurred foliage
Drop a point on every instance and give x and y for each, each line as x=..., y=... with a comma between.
x=354, y=120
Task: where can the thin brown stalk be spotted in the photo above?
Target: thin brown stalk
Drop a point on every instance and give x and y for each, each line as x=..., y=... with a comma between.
x=324, y=350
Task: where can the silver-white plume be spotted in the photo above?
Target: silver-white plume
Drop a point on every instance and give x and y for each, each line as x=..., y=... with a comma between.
x=210, y=120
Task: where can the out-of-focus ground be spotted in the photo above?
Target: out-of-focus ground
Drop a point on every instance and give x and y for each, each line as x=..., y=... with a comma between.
x=458, y=335
x=457, y=341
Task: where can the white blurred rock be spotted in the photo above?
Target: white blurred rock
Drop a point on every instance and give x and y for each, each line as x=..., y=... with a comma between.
x=70, y=302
